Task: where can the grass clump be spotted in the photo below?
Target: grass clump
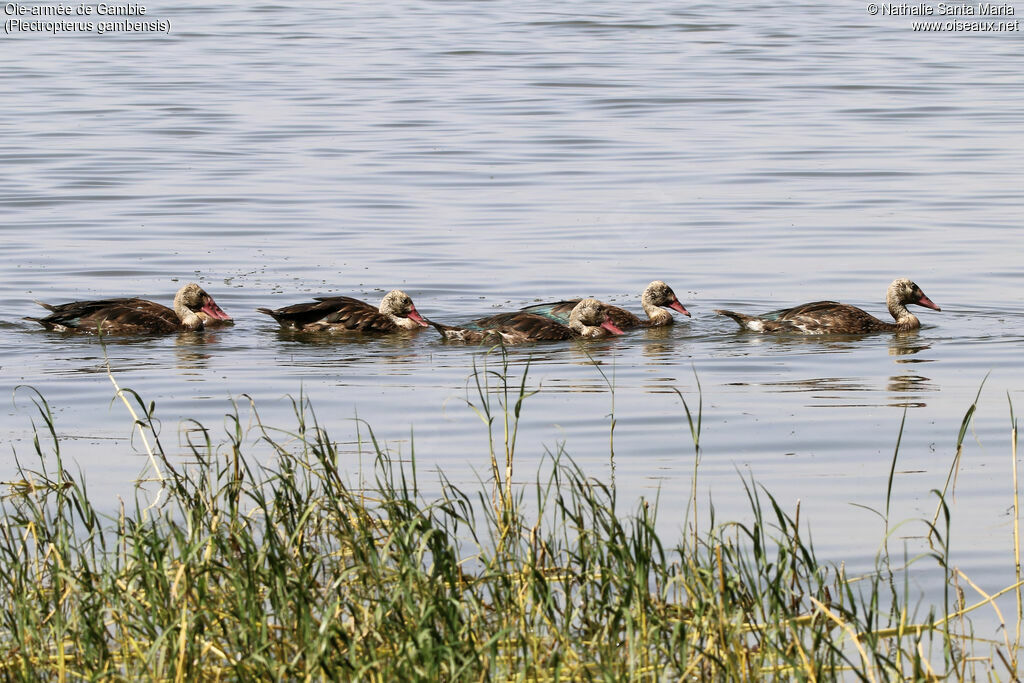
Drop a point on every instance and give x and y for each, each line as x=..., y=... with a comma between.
x=287, y=570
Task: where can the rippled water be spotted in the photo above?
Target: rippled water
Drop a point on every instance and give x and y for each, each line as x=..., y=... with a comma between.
x=483, y=156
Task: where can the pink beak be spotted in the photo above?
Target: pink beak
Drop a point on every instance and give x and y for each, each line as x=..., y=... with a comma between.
x=676, y=306
x=415, y=315
x=927, y=303
x=211, y=309
x=610, y=326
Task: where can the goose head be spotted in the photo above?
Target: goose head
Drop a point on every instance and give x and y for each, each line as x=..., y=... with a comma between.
x=192, y=302
x=590, y=319
x=397, y=305
x=903, y=291
x=658, y=294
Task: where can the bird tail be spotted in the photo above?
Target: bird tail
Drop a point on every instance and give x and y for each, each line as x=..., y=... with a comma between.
x=273, y=314
x=738, y=317
x=749, y=322
x=445, y=331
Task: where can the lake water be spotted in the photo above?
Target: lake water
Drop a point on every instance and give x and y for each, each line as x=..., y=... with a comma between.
x=486, y=155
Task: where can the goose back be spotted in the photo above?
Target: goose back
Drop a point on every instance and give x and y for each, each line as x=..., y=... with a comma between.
x=346, y=314
x=193, y=306
x=831, y=317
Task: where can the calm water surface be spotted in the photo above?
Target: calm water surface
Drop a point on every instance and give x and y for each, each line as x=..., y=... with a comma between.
x=483, y=156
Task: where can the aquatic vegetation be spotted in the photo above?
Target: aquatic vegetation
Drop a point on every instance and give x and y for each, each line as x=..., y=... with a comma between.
x=232, y=566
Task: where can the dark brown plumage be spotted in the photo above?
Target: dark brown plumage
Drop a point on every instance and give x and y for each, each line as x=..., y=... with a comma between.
x=589, y=318
x=193, y=307
x=656, y=295
x=345, y=314
x=830, y=317
x=506, y=328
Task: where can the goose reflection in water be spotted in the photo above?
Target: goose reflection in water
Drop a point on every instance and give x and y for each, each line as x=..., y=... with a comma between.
x=819, y=384
x=663, y=345
x=736, y=344
x=662, y=352
x=190, y=350
x=908, y=344
x=288, y=336
x=901, y=384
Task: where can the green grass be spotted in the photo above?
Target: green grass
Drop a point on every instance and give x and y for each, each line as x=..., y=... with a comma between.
x=289, y=570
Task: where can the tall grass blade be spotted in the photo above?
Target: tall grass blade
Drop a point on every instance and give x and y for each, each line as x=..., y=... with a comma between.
x=954, y=468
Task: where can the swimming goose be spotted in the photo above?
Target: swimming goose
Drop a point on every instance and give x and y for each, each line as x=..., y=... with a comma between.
x=829, y=317
x=193, y=307
x=345, y=314
x=589, y=318
x=656, y=295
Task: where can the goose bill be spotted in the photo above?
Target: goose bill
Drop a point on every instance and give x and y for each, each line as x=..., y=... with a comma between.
x=676, y=306
x=415, y=315
x=610, y=326
x=211, y=309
